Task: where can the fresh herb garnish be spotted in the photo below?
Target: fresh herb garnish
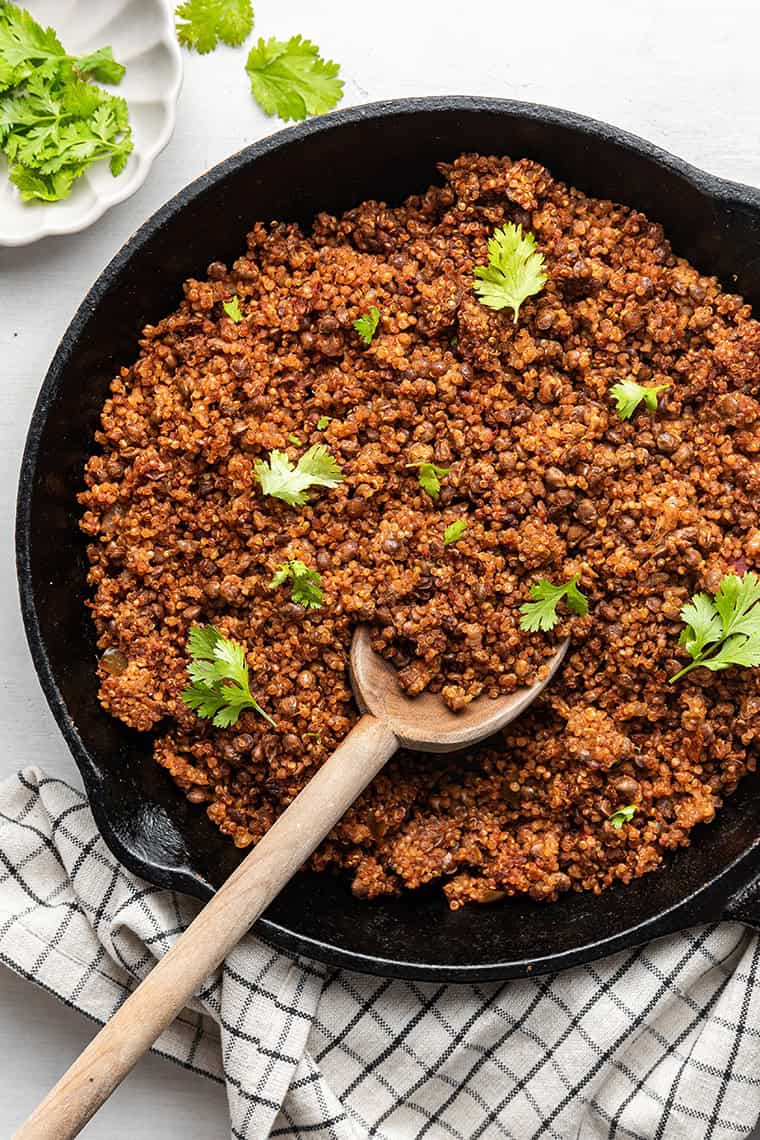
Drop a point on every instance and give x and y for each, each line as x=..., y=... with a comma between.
x=628, y=395
x=54, y=123
x=429, y=477
x=25, y=47
x=294, y=440
x=723, y=630
x=220, y=687
x=232, y=309
x=322, y=422
x=621, y=816
x=306, y=584
x=280, y=478
x=454, y=531
x=515, y=270
x=366, y=325
x=289, y=78
x=541, y=613
x=201, y=24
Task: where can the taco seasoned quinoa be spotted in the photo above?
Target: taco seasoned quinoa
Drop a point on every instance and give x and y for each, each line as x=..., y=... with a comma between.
x=342, y=427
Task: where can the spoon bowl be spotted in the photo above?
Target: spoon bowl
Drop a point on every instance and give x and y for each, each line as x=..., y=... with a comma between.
x=425, y=723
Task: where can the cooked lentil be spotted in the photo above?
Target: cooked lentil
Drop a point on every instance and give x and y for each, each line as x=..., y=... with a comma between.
x=550, y=481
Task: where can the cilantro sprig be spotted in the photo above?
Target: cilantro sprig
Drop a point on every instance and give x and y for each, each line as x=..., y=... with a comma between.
x=54, y=123
x=233, y=310
x=220, y=687
x=306, y=584
x=723, y=630
x=289, y=482
x=628, y=395
x=621, y=816
x=429, y=477
x=201, y=24
x=290, y=78
x=25, y=46
x=515, y=270
x=366, y=324
x=541, y=613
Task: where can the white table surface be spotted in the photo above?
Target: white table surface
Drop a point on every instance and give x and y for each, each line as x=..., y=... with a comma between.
x=683, y=73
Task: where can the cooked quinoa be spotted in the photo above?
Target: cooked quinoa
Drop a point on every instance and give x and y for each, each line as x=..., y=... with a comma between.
x=549, y=479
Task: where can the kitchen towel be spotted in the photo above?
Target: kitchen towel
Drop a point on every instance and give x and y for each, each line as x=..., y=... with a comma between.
x=653, y=1044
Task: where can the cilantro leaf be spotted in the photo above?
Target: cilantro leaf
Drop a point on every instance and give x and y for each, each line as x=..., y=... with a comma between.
x=50, y=189
x=28, y=49
x=724, y=630
x=202, y=640
x=628, y=395
x=454, y=531
x=703, y=624
x=622, y=815
x=78, y=99
x=24, y=43
x=366, y=325
x=101, y=66
x=735, y=600
x=201, y=24
x=280, y=478
x=429, y=477
x=736, y=650
x=289, y=78
x=515, y=270
x=541, y=613
x=220, y=688
x=306, y=589
x=7, y=75
x=206, y=702
x=232, y=309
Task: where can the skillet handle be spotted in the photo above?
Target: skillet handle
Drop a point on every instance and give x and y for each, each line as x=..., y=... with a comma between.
x=744, y=905
x=221, y=924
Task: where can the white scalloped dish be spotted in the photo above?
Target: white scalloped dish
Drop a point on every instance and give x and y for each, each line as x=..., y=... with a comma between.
x=141, y=33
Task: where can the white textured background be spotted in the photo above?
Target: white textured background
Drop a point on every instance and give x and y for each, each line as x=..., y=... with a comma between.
x=683, y=73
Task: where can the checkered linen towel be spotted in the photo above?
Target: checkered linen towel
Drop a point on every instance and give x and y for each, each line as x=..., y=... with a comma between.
x=653, y=1044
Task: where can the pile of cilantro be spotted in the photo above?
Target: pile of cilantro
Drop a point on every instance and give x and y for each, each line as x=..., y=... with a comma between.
x=54, y=121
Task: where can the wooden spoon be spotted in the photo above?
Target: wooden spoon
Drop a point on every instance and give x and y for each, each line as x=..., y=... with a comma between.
x=391, y=719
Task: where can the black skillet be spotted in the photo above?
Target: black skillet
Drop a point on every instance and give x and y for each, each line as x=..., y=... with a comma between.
x=384, y=151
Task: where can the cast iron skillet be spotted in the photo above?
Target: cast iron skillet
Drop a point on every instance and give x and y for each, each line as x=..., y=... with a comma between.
x=384, y=151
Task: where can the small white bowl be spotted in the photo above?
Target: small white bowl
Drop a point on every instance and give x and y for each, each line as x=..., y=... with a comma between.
x=141, y=33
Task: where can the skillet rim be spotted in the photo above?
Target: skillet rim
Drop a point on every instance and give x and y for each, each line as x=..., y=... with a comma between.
x=707, y=902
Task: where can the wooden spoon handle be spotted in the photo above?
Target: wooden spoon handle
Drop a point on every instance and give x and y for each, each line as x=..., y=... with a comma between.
x=220, y=925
